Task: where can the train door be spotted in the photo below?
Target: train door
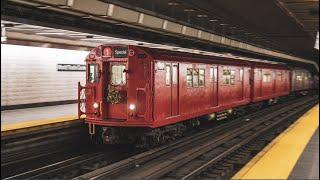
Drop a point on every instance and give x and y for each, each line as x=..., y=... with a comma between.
x=214, y=80
x=116, y=107
x=257, y=84
x=166, y=90
x=241, y=75
x=175, y=89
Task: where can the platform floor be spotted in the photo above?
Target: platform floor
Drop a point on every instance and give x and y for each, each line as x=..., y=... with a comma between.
x=307, y=166
x=29, y=116
x=294, y=154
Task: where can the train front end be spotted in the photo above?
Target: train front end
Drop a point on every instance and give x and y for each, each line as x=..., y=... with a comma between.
x=109, y=99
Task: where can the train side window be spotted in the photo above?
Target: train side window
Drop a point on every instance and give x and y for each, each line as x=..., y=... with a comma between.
x=201, y=77
x=307, y=76
x=280, y=76
x=195, y=78
x=189, y=77
x=168, y=75
x=93, y=73
x=226, y=76
x=266, y=77
x=232, y=77
x=298, y=77
x=118, y=76
x=174, y=74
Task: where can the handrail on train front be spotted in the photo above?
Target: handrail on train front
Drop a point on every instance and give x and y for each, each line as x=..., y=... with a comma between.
x=80, y=88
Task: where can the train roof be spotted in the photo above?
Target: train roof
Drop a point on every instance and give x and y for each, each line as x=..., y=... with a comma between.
x=203, y=55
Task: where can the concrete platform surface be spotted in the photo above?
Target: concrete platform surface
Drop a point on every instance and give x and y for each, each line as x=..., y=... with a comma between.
x=9, y=117
x=307, y=166
x=293, y=154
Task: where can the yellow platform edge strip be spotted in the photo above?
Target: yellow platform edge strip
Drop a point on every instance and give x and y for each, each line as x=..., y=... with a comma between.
x=277, y=160
x=40, y=122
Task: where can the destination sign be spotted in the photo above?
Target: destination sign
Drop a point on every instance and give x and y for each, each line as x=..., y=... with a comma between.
x=120, y=52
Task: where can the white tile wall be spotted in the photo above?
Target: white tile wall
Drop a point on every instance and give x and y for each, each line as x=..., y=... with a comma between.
x=29, y=74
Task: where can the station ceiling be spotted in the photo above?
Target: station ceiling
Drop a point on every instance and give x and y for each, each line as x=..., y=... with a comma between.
x=280, y=25
x=286, y=25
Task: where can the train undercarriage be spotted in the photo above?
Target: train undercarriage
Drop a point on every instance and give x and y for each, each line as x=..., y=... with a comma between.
x=150, y=137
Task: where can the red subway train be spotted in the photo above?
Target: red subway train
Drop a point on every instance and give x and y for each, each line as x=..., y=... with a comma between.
x=143, y=95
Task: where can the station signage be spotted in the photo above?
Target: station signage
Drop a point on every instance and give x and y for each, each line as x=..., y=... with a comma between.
x=120, y=52
x=71, y=67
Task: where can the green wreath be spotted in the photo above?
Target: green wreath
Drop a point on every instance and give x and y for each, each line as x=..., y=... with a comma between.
x=114, y=97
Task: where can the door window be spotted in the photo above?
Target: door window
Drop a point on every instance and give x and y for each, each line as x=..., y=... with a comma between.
x=241, y=75
x=201, y=77
x=174, y=74
x=168, y=75
x=118, y=75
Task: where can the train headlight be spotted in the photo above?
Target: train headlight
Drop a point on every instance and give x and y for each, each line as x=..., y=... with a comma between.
x=95, y=105
x=132, y=107
x=230, y=111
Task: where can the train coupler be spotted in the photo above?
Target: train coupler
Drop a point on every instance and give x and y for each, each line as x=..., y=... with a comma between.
x=92, y=128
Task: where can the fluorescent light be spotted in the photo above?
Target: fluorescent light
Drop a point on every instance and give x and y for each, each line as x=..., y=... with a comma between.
x=3, y=39
x=50, y=33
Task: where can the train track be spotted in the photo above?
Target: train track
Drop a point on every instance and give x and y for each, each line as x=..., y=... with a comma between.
x=26, y=148
x=193, y=156
x=81, y=162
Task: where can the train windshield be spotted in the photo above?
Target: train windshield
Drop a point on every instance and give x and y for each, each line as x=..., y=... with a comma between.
x=93, y=71
x=118, y=75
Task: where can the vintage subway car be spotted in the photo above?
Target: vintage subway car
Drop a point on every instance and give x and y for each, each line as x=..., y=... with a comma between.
x=136, y=93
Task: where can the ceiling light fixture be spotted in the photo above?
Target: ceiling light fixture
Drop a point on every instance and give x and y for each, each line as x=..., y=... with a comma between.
x=173, y=3
x=202, y=15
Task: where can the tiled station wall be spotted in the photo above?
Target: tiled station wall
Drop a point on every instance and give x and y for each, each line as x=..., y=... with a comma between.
x=29, y=74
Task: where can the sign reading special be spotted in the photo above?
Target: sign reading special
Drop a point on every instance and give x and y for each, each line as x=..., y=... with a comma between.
x=71, y=67
x=120, y=52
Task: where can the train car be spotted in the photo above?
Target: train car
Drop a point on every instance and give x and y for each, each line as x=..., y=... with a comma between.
x=301, y=81
x=148, y=95
x=269, y=82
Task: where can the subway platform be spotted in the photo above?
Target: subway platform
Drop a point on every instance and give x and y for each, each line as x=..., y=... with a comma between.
x=30, y=117
x=294, y=154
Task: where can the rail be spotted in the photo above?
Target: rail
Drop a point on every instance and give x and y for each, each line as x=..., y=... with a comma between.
x=158, y=162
